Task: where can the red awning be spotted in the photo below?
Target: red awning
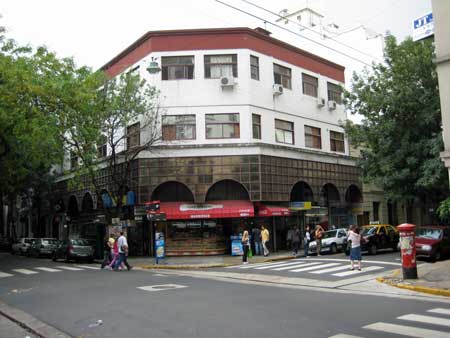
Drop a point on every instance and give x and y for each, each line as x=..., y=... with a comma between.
x=216, y=209
x=272, y=210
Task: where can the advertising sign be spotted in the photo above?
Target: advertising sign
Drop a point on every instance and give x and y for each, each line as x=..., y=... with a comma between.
x=160, y=246
x=423, y=27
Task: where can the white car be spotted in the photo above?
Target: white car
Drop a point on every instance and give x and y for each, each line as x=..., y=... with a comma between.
x=332, y=241
x=22, y=246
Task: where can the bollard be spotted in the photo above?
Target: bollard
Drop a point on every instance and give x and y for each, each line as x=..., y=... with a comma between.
x=408, y=249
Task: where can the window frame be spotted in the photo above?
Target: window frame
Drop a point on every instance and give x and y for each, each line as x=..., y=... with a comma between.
x=254, y=67
x=313, y=136
x=208, y=64
x=334, y=141
x=185, y=66
x=176, y=125
x=334, y=92
x=133, y=135
x=238, y=124
x=258, y=125
x=284, y=131
x=102, y=147
x=307, y=80
x=74, y=161
x=287, y=85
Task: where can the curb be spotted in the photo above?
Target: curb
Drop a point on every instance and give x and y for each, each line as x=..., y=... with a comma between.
x=417, y=288
x=30, y=323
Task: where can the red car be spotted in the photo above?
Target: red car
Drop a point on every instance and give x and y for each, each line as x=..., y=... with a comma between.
x=433, y=241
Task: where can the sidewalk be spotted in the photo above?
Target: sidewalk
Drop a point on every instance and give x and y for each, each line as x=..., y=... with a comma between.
x=434, y=278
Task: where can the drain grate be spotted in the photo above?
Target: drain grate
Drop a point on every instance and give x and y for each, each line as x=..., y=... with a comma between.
x=162, y=287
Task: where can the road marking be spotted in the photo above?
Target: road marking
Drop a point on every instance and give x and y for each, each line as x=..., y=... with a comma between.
x=290, y=268
x=48, y=269
x=274, y=266
x=298, y=265
x=347, y=260
x=315, y=267
x=331, y=269
x=409, y=331
x=440, y=311
x=25, y=271
x=88, y=267
x=355, y=272
x=162, y=287
x=69, y=268
x=4, y=274
x=341, y=335
x=426, y=319
x=249, y=266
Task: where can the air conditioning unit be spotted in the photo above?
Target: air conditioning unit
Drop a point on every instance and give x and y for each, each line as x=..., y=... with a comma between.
x=320, y=102
x=227, y=81
x=277, y=89
x=331, y=105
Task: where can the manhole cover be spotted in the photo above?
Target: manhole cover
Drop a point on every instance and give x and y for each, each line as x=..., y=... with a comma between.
x=162, y=287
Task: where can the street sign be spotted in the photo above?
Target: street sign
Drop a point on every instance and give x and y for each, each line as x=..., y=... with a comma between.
x=423, y=27
x=300, y=205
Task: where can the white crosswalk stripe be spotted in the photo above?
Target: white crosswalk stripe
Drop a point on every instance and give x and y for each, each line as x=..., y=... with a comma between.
x=250, y=266
x=89, y=267
x=4, y=274
x=356, y=271
x=408, y=331
x=47, y=269
x=275, y=266
x=315, y=267
x=25, y=271
x=68, y=268
x=341, y=335
x=337, y=268
x=294, y=266
x=426, y=319
x=440, y=311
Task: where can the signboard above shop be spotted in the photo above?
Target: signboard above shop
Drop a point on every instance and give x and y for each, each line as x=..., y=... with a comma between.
x=423, y=27
x=296, y=206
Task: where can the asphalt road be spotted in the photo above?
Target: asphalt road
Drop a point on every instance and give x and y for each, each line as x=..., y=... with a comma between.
x=74, y=300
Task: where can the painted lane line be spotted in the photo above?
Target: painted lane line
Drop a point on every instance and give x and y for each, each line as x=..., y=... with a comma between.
x=249, y=266
x=89, y=267
x=162, y=287
x=320, y=266
x=426, y=319
x=356, y=271
x=347, y=260
x=25, y=271
x=4, y=274
x=275, y=266
x=69, y=268
x=341, y=335
x=440, y=311
x=47, y=269
x=409, y=331
x=338, y=268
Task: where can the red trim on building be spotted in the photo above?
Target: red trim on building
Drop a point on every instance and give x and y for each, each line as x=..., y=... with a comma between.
x=216, y=209
x=271, y=210
x=221, y=38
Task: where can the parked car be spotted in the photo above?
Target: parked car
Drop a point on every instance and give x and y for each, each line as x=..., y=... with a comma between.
x=332, y=241
x=74, y=249
x=21, y=246
x=42, y=247
x=433, y=242
x=377, y=237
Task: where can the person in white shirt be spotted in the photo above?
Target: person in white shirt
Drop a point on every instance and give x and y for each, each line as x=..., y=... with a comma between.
x=123, y=252
x=355, y=252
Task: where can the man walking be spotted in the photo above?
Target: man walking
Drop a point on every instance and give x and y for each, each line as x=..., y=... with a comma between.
x=265, y=240
x=123, y=252
x=295, y=241
x=256, y=236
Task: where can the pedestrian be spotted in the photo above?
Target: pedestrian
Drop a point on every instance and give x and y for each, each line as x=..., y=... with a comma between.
x=289, y=236
x=114, y=252
x=245, y=246
x=355, y=251
x=318, y=236
x=265, y=236
x=306, y=240
x=295, y=241
x=107, y=253
x=123, y=252
x=256, y=235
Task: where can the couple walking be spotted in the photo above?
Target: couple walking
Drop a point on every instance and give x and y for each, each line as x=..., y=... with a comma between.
x=261, y=240
x=116, y=253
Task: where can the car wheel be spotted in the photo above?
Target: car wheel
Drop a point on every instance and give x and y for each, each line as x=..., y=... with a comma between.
x=437, y=256
x=333, y=248
x=373, y=249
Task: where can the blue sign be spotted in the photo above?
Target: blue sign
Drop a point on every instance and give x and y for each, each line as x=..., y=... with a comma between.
x=160, y=249
x=423, y=27
x=236, y=248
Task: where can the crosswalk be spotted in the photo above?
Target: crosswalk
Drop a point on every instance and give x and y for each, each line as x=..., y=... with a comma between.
x=39, y=269
x=437, y=323
x=337, y=268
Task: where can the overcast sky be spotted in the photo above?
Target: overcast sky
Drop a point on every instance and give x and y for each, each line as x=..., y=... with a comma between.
x=94, y=31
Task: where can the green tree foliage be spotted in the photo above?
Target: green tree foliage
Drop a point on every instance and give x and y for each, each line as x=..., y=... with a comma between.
x=400, y=135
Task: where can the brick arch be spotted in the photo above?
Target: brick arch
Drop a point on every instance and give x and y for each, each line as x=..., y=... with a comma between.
x=227, y=190
x=172, y=191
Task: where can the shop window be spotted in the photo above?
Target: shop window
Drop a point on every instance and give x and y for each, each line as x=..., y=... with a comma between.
x=313, y=138
x=310, y=85
x=222, y=126
x=178, y=127
x=254, y=67
x=177, y=67
x=256, y=122
x=334, y=92
x=133, y=135
x=284, y=132
x=337, y=142
x=217, y=66
x=102, y=147
x=282, y=76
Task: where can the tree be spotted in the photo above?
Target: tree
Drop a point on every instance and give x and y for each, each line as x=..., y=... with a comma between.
x=400, y=134
x=108, y=133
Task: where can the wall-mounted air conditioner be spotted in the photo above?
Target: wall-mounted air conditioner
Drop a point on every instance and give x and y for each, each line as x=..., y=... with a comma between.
x=321, y=102
x=331, y=105
x=277, y=89
x=227, y=81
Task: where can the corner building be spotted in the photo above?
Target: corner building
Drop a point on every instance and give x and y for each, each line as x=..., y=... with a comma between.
x=250, y=136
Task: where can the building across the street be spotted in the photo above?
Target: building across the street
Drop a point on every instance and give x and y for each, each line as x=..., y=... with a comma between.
x=251, y=136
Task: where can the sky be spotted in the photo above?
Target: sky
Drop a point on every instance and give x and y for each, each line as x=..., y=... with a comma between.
x=94, y=31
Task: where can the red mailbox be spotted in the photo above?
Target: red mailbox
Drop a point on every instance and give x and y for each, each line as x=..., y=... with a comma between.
x=408, y=249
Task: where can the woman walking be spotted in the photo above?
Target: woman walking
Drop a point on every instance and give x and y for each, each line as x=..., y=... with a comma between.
x=245, y=246
x=306, y=240
x=355, y=252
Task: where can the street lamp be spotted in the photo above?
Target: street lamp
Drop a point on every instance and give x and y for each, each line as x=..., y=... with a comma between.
x=153, y=67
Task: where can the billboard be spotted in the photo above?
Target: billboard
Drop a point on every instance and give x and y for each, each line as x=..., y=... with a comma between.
x=423, y=27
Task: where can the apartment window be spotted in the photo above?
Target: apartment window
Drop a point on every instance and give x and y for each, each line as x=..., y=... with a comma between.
x=254, y=67
x=310, y=85
x=178, y=127
x=73, y=160
x=313, y=137
x=102, y=147
x=222, y=126
x=256, y=122
x=177, y=67
x=337, y=142
x=282, y=76
x=334, y=92
x=284, y=131
x=376, y=211
x=217, y=66
x=133, y=135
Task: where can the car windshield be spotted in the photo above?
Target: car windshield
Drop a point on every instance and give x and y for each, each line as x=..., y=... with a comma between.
x=329, y=234
x=368, y=231
x=429, y=233
x=80, y=242
x=49, y=241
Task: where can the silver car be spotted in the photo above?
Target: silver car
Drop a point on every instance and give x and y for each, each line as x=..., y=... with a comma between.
x=42, y=247
x=22, y=246
x=332, y=241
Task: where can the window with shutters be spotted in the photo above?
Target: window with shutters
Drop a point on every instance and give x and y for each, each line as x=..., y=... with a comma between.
x=282, y=76
x=102, y=147
x=254, y=67
x=310, y=85
x=337, y=142
x=313, y=138
x=334, y=93
x=256, y=123
x=133, y=135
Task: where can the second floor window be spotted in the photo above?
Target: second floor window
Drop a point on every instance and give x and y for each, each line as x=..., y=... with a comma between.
x=133, y=135
x=254, y=67
x=102, y=147
x=282, y=76
x=222, y=126
x=256, y=122
x=313, y=138
x=177, y=67
x=73, y=160
x=334, y=92
x=217, y=66
x=284, y=132
x=178, y=127
x=337, y=142
x=310, y=85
